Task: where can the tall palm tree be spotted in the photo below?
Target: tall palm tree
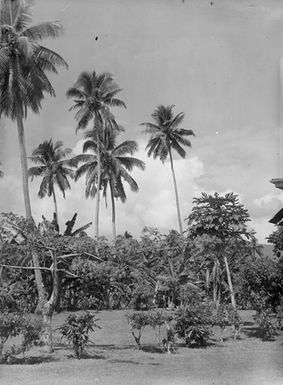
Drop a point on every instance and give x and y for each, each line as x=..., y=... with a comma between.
x=23, y=63
x=165, y=137
x=23, y=81
x=115, y=167
x=52, y=167
x=94, y=94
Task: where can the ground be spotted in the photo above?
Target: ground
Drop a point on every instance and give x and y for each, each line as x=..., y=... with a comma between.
x=113, y=360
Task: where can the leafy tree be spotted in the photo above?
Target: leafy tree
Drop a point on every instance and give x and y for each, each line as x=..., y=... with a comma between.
x=23, y=66
x=223, y=221
x=166, y=135
x=115, y=166
x=276, y=239
x=94, y=94
x=52, y=167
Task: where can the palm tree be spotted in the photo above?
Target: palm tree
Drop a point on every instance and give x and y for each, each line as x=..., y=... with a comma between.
x=165, y=137
x=23, y=63
x=23, y=82
x=52, y=168
x=115, y=167
x=93, y=95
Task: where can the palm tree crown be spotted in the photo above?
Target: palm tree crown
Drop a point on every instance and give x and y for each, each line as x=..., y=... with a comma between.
x=166, y=134
x=23, y=61
x=52, y=167
x=93, y=96
x=116, y=165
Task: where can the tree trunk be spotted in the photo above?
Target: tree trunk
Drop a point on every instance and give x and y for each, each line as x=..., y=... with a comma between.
x=24, y=165
x=176, y=193
x=113, y=212
x=96, y=224
x=55, y=207
x=49, y=306
x=232, y=295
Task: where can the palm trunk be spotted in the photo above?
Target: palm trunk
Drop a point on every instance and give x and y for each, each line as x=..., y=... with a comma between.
x=176, y=193
x=113, y=212
x=24, y=166
x=55, y=207
x=232, y=295
x=96, y=224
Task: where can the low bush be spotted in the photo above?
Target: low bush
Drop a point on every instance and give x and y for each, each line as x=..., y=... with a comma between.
x=193, y=324
x=267, y=324
x=76, y=330
x=17, y=324
x=137, y=322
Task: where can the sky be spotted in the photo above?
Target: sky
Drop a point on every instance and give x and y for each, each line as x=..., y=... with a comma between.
x=217, y=61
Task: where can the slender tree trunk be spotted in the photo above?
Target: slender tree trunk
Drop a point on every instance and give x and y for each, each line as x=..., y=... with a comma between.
x=55, y=207
x=49, y=306
x=24, y=165
x=176, y=193
x=113, y=212
x=232, y=295
x=96, y=224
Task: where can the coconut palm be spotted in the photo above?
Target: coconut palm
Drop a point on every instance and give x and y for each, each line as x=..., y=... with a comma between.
x=23, y=63
x=52, y=167
x=115, y=167
x=94, y=94
x=165, y=137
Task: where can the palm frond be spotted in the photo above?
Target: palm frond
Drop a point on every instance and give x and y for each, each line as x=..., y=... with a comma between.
x=40, y=31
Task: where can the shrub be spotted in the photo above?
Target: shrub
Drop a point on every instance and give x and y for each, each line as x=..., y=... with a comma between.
x=234, y=320
x=141, y=298
x=220, y=318
x=18, y=324
x=268, y=327
x=137, y=322
x=192, y=324
x=76, y=330
x=157, y=319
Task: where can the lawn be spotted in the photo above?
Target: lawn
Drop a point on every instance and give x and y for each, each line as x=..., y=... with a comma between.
x=114, y=360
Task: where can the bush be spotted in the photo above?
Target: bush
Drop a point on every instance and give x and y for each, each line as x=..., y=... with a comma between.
x=268, y=327
x=234, y=320
x=192, y=324
x=137, y=322
x=141, y=298
x=76, y=330
x=17, y=324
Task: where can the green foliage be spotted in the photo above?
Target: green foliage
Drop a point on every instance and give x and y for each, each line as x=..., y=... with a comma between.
x=76, y=330
x=137, y=322
x=259, y=284
x=18, y=324
x=192, y=324
x=141, y=297
x=267, y=324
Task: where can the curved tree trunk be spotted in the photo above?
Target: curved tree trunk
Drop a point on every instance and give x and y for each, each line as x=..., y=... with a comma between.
x=113, y=212
x=176, y=193
x=24, y=166
x=96, y=223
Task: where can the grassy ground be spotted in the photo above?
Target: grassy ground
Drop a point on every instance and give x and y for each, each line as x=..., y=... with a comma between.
x=114, y=360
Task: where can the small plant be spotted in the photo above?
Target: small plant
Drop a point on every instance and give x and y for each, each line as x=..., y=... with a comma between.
x=10, y=326
x=76, y=331
x=141, y=298
x=220, y=319
x=268, y=327
x=192, y=324
x=137, y=322
x=31, y=333
x=157, y=319
x=235, y=321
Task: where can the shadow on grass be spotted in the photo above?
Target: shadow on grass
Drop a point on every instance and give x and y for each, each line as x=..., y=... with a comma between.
x=32, y=360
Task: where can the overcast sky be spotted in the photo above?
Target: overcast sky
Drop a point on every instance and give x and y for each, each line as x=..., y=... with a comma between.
x=217, y=61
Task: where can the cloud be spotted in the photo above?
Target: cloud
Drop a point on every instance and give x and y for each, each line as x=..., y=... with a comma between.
x=268, y=198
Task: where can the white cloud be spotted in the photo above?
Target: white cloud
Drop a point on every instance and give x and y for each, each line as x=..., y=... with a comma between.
x=268, y=198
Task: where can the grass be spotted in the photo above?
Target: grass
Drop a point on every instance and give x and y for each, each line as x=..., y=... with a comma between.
x=115, y=360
